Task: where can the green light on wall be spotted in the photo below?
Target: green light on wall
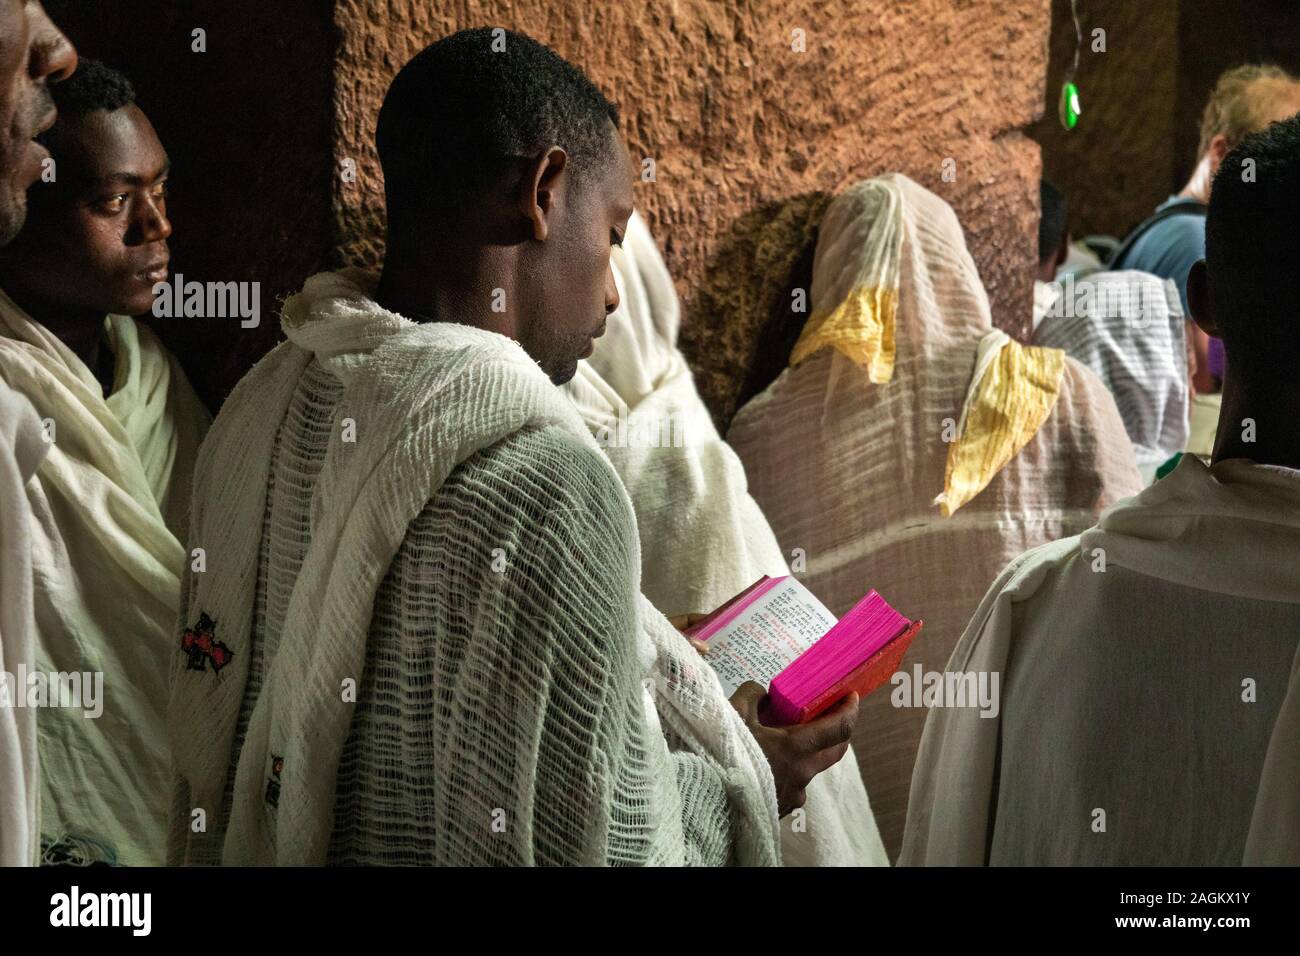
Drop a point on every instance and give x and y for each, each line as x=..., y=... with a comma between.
x=1069, y=108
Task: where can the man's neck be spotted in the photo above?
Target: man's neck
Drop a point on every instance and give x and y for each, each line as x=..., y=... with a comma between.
x=1259, y=426
x=81, y=330
x=457, y=294
x=1198, y=186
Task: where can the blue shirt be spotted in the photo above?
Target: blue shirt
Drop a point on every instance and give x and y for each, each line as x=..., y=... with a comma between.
x=1169, y=249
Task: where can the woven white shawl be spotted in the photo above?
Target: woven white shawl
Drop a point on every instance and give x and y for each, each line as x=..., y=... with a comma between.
x=847, y=469
x=106, y=569
x=21, y=451
x=703, y=538
x=424, y=399
x=1129, y=328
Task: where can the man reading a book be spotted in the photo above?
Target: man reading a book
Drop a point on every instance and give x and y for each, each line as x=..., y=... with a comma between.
x=1145, y=662
x=419, y=635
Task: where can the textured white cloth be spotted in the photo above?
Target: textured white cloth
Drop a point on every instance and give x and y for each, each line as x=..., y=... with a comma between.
x=21, y=451
x=106, y=569
x=703, y=538
x=1128, y=327
x=848, y=470
x=701, y=532
x=555, y=686
x=1140, y=698
x=1274, y=838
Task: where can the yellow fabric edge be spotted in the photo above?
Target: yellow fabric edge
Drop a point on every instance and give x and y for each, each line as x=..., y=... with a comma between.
x=1012, y=400
x=861, y=328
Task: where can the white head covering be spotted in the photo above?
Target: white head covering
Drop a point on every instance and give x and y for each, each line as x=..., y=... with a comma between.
x=847, y=450
x=1129, y=328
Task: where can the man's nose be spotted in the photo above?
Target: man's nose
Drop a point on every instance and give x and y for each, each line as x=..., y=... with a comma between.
x=150, y=225
x=53, y=58
x=611, y=291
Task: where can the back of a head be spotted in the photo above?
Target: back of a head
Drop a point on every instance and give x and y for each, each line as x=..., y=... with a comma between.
x=459, y=113
x=1251, y=250
x=1245, y=100
x=1052, y=221
x=94, y=87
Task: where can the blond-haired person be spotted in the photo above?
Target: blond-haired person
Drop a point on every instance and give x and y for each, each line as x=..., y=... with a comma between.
x=1245, y=100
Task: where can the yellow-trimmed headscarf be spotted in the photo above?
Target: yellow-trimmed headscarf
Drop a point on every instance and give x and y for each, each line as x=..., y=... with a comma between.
x=856, y=299
x=856, y=274
x=1011, y=394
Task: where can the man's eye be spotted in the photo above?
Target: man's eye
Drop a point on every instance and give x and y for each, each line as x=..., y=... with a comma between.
x=114, y=203
x=160, y=191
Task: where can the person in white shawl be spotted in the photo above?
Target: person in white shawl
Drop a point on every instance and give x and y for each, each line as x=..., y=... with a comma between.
x=1145, y=662
x=110, y=497
x=419, y=637
x=33, y=54
x=912, y=448
x=1128, y=327
x=703, y=538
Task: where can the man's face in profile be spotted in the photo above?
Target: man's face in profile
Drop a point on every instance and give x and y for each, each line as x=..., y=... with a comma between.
x=574, y=281
x=97, y=238
x=32, y=52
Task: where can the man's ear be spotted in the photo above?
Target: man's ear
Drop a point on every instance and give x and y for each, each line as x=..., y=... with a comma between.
x=1198, y=299
x=1219, y=148
x=539, y=191
x=1062, y=253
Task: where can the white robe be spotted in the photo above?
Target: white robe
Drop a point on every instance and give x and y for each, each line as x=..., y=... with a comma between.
x=21, y=451
x=703, y=538
x=1275, y=826
x=528, y=717
x=107, y=569
x=1142, y=665
x=847, y=469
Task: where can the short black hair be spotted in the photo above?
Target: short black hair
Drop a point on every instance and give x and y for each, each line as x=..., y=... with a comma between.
x=94, y=86
x=1252, y=246
x=475, y=100
x=1053, y=222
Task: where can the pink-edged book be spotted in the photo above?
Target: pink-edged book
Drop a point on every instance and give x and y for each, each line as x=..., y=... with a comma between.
x=777, y=631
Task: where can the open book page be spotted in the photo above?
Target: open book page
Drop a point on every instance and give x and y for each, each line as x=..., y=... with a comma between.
x=767, y=635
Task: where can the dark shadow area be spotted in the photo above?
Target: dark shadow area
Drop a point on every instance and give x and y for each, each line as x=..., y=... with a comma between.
x=741, y=326
x=240, y=212
x=1144, y=95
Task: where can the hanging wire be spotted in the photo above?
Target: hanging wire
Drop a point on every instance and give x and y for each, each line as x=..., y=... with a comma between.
x=1078, y=38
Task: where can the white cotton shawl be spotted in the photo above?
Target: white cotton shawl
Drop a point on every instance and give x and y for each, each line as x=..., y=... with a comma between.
x=460, y=390
x=1143, y=667
x=106, y=570
x=703, y=538
x=847, y=469
x=21, y=451
x=1129, y=328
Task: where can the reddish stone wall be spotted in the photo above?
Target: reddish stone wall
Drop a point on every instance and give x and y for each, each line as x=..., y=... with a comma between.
x=735, y=119
x=259, y=125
